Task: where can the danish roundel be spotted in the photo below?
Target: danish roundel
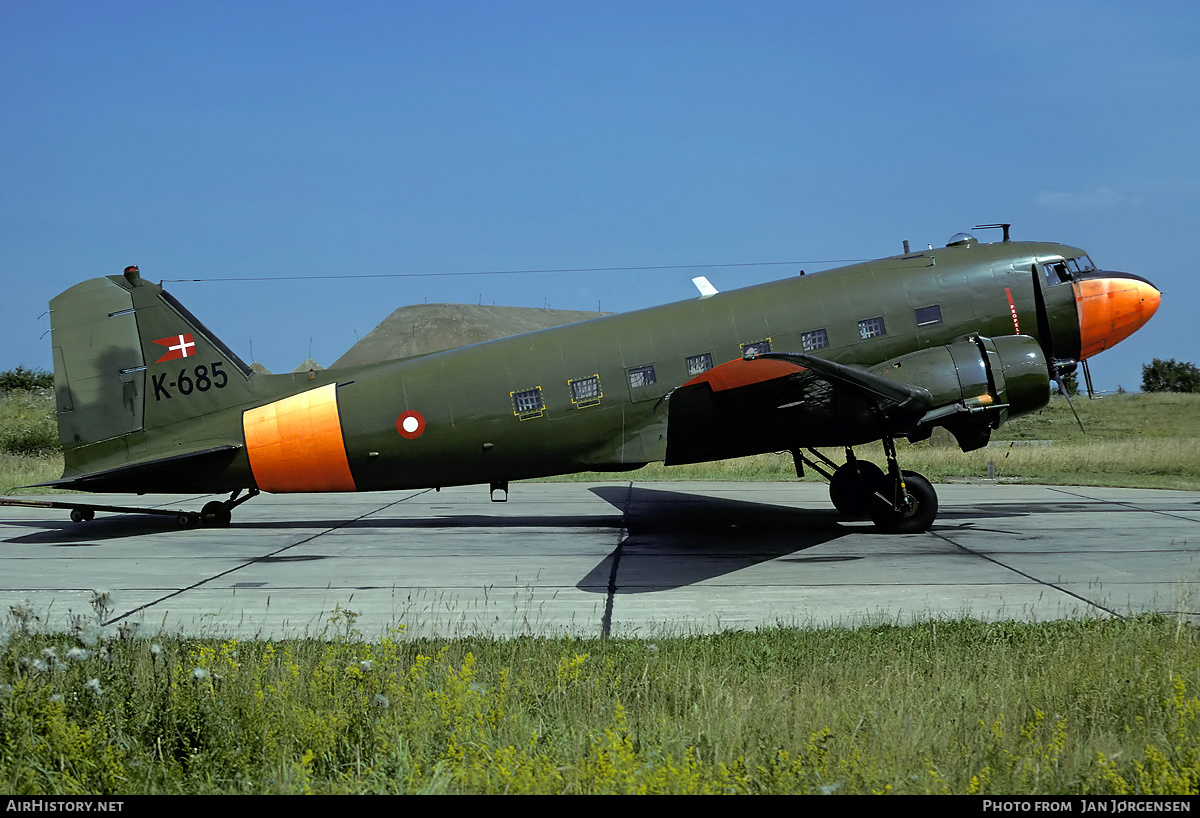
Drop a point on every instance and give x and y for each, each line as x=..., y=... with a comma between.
x=410, y=424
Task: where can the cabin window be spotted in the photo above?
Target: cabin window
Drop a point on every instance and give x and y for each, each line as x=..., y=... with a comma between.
x=528, y=403
x=929, y=315
x=699, y=363
x=815, y=339
x=871, y=327
x=757, y=348
x=585, y=391
x=641, y=376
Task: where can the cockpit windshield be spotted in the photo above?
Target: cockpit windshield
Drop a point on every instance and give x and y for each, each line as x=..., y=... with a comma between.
x=1059, y=271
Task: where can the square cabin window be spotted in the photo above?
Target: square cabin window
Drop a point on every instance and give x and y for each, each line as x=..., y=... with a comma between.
x=871, y=328
x=929, y=315
x=699, y=363
x=756, y=349
x=585, y=391
x=816, y=339
x=641, y=376
x=528, y=403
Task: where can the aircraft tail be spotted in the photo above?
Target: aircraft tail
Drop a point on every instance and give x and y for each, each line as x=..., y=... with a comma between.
x=128, y=359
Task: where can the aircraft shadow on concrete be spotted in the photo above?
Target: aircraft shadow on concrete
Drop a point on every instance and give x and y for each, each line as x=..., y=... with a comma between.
x=64, y=533
x=691, y=523
x=677, y=539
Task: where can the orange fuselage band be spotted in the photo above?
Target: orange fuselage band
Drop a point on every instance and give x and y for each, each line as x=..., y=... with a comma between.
x=296, y=444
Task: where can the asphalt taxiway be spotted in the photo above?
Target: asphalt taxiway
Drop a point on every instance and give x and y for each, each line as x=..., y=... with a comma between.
x=624, y=559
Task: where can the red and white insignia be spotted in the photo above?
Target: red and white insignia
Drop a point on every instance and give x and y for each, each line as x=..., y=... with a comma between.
x=178, y=346
x=410, y=424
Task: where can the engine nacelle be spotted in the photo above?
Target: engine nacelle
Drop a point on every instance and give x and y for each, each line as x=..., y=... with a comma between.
x=976, y=383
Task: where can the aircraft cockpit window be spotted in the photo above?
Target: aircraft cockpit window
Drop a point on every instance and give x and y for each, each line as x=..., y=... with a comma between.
x=1082, y=264
x=1057, y=272
x=1060, y=272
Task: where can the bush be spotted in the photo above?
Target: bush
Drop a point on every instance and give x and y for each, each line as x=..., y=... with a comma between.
x=1170, y=376
x=26, y=379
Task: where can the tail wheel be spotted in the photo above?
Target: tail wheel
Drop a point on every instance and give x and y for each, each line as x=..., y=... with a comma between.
x=852, y=487
x=216, y=514
x=918, y=508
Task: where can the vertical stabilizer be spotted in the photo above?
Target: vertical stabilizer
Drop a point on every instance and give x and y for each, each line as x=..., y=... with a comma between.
x=138, y=379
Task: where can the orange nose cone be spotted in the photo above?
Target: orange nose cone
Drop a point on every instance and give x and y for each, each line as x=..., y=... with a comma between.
x=1112, y=309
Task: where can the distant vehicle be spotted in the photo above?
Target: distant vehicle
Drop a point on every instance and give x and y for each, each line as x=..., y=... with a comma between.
x=964, y=337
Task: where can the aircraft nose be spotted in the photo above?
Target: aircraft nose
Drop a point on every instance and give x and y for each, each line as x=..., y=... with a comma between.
x=1112, y=306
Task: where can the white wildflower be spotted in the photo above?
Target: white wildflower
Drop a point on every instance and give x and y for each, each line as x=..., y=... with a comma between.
x=94, y=686
x=77, y=654
x=156, y=650
x=89, y=635
x=366, y=665
x=199, y=673
x=382, y=701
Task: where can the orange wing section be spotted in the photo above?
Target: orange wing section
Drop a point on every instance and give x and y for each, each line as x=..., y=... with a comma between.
x=1110, y=310
x=296, y=444
x=745, y=371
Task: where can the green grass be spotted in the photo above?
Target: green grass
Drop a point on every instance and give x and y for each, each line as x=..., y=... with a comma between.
x=951, y=707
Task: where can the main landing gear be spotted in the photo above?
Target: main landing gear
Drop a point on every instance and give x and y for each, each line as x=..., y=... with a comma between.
x=897, y=501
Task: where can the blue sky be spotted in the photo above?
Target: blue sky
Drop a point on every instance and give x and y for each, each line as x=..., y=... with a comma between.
x=264, y=139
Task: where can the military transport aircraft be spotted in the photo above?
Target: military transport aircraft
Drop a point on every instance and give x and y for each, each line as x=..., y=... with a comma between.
x=964, y=337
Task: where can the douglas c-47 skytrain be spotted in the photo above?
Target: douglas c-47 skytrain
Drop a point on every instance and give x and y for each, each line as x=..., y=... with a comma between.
x=965, y=337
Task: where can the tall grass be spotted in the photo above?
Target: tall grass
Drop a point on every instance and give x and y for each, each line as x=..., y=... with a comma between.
x=964, y=707
x=28, y=426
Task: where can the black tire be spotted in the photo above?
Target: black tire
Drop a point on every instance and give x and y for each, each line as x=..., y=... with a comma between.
x=216, y=514
x=81, y=515
x=187, y=520
x=920, y=515
x=852, y=487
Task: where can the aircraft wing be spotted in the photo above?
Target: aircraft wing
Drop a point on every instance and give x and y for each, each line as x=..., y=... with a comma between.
x=779, y=401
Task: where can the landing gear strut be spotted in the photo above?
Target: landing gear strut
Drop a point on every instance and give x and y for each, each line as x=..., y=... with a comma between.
x=897, y=501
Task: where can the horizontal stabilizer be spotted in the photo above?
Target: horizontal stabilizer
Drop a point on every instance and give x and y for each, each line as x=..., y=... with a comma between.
x=194, y=471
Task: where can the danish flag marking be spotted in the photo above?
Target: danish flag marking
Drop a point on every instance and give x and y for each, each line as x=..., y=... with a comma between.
x=178, y=346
